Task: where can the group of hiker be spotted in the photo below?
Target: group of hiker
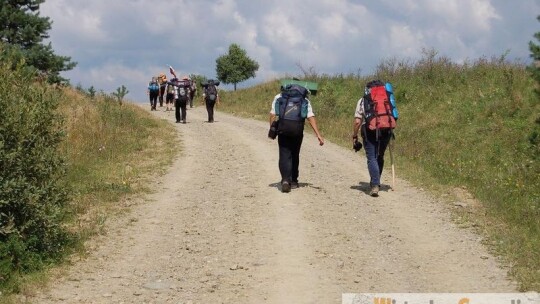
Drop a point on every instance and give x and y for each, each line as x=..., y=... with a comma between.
x=179, y=93
x=374, y=120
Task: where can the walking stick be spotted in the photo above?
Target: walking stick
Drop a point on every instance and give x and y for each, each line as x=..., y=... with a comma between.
x=392, y=164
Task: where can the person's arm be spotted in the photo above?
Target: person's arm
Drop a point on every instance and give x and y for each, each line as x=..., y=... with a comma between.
x=358, y=117
x=272, y=118
x=313, y=123
x=357, y=123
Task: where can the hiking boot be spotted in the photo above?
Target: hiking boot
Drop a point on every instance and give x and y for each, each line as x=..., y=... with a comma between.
x=294, y=185
x=285, y=187
x=374, y=191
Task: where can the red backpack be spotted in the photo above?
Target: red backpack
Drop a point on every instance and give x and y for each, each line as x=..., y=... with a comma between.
x=377, y=107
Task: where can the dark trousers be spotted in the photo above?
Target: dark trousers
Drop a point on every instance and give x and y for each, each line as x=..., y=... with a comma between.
x=180, y=110
x=191, y=97
x=161, y=93
x=375, y=146
x=289, y=157
x=210, y=109
x=153, y=99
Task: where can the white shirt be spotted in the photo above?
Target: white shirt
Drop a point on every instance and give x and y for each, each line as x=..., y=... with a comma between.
x=360, y=112
x=273, y=109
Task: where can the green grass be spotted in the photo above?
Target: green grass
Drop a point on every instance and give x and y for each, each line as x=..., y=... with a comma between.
x=111, y=151
x=470, y=127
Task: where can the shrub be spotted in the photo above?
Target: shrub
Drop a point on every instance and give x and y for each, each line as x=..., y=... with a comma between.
x=32, y=194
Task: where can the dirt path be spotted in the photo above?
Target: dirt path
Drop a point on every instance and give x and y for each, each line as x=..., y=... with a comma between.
x=218, y=230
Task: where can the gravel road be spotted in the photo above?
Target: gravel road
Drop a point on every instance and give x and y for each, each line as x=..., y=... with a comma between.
x=217, y=229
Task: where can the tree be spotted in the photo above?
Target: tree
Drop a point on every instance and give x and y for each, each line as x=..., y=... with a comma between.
x=23, y=30
x=236, y=66
x=120, y=93
x=535, y=55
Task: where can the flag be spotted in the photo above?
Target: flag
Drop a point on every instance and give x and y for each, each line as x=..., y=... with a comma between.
x=171, y=70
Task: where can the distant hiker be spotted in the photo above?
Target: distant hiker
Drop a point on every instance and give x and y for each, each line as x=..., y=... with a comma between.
x=292, y=108
x=375, y=117
x=162, y=81
x=181, y=98
x=153, y=92
x=170, y=93
x=192, y=91
x=210, y=97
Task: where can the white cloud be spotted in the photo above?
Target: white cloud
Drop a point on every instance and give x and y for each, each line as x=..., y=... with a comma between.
x=138, y=38
x=403, y=41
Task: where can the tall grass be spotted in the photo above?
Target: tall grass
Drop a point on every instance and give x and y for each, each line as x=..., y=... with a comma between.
x=107, y=151
x=110, y=149
x=473, y=126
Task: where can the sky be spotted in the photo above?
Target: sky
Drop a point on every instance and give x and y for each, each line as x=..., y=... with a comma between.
x=126, y=42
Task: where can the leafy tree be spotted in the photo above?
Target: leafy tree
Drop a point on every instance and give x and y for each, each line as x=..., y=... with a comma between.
x=535, y=55
x=120, y=93
x=92, y=92
x=198, y=80
x=236, y=66
x=23, y=30
x=534, y=137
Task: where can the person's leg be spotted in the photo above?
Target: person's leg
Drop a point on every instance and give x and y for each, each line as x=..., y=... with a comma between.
x=161, y=93
x=295, y=150
x=177, y=110
x=154, y=100
x=285, y=158
x=384, y=139
x=210, y=110
x=183, y=105
x=168, y=99
x=370, y=146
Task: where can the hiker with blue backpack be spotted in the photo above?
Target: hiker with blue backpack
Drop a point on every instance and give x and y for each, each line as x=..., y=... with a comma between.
x=291, y=107
x=153, y=93
x=374, y=120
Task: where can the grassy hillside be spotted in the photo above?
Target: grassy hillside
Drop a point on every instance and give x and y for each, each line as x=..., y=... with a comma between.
x=68, y=162
x=465, y=130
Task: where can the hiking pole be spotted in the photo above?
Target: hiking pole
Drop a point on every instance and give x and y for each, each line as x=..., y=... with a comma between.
x=392, y=164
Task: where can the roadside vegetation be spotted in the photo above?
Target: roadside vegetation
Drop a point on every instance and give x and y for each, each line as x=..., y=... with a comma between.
x=70, y=158
x=470, y=132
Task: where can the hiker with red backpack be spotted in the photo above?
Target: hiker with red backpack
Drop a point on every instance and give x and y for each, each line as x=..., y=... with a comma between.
x=374, y=120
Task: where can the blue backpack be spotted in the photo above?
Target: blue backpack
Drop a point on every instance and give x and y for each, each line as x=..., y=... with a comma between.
x=292, y=108
x=153, y=86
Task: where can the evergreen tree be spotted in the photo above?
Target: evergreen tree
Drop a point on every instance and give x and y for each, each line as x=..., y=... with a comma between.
x=22, y=30
x=535, y=55
x=236, y=66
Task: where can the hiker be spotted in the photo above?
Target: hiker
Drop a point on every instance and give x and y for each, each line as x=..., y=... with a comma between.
x=153, y=92
x=292, y=108
x=162, y=81
x=210, y=97
x=375, y=121
x=170, y=92
x=192, y=91
x=181, y=98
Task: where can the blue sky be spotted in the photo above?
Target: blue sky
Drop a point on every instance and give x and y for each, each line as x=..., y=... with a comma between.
x=126, y=42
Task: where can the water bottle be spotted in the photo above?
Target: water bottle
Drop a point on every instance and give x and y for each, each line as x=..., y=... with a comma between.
x=389, y=88
x=304, y=110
